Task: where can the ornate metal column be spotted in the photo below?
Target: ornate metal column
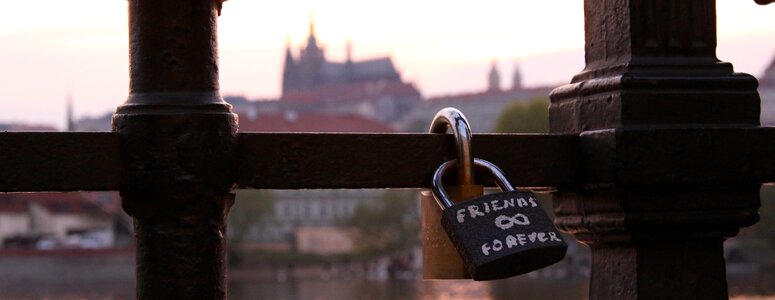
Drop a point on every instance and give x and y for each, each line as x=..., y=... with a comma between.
x=178, y=142
x=652, y=75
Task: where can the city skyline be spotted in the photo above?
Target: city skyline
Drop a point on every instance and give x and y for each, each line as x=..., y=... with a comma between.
x=444, y=48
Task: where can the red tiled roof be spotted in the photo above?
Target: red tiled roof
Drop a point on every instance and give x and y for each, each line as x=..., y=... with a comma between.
x=9, y=204
x=354, y=92
x=74, y=203
x=309, y=122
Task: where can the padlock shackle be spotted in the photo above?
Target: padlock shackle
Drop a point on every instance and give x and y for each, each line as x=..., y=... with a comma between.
x=452, y=118
x=441, y=196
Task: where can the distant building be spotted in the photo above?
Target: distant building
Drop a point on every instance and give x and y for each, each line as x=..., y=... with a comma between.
x=324, y=240
x=371, y=88
x=494, y=79
x=516, y=78
x=297, y=213
x=57, y=220
x=14, y=219
x=98, y=123
x=387, y=101
x=312, y=71
x=292, y=121
x=482, y=109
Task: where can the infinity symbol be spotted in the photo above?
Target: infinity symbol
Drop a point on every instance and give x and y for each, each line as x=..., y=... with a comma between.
x=506, y=222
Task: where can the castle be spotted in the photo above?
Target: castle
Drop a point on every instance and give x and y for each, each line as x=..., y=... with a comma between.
x=310, y=77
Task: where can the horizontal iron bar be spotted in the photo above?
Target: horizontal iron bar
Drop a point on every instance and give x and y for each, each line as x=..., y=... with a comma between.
x=347, y=160
x=59, y=161
x=72, y=161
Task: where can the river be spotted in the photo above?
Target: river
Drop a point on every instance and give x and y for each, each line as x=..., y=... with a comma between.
x=531, y=286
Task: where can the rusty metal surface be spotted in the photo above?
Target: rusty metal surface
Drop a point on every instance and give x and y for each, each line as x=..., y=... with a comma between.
x=181, y=247
x=178, y=142
x=59, y=161
x=677, y=156
x=173, y=46
x=668, y=168
x=317, y=160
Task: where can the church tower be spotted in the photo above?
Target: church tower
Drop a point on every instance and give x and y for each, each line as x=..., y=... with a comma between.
x=516, y=80
x=311, y=61
x=290, y=70
x=494, y=79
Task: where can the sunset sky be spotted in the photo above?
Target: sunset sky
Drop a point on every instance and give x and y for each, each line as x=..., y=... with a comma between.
x=49, y=48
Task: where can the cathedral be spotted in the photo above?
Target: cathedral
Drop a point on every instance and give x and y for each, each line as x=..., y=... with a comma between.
x=311, y=72
x=370, y=88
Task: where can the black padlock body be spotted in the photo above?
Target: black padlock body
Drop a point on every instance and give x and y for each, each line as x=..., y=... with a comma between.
x=503, y=234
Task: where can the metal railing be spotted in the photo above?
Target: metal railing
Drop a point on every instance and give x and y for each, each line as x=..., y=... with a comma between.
x=655, y=154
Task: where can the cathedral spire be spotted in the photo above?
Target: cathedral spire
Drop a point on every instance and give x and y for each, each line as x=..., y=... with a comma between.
x=494, y=78
x=290, y=72
x=311, y=39
x=312, y=25
x=288, y=53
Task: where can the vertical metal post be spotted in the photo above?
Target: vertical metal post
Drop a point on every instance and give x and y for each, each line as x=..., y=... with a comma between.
x=650, y=66
x=178, y=143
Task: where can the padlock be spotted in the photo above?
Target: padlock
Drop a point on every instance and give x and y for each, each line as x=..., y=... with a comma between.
x=502, y=234
x=440, y=258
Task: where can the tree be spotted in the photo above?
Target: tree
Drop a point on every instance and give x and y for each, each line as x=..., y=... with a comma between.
x=250, y=207
x=388, y=226
x=521, y=117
